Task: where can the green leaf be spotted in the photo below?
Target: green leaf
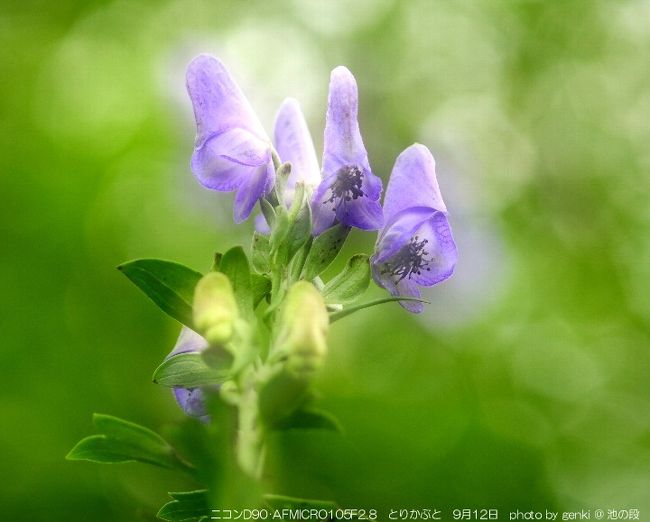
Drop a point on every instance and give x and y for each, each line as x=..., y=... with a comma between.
x=169, y=285
x=279, y=233
x=293, y=503
x=298, y=261
x=324, y=250
x=301, y=221
x=280, y=395
x=268, y=212
x=189, y=505
x=188, y=370
x=260, y=286
x=122, y=441
x=282, y=174
x=309, y=419
x=350, y=283
x=335, y=316
x=234, y=264
x=261, y=253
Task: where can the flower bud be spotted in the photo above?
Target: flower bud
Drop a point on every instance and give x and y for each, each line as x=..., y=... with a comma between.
x=215, y=308
x=303, y=327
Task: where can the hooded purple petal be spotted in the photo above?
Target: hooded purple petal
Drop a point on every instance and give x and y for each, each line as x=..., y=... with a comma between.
x=231, y=151
x=219, y=104
x=188, y=341
x=416, y=246
x=413, y=183
x=349, y=192
x=294, y=144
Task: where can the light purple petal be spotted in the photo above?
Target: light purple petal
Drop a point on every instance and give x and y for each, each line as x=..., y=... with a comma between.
x=188, y=341
x=404, y=288
x=228, y=160
x=441, y=251
x=294, y=144
x=260, y=182
x=363, y=213
x=218, y=102
x=342, y=144
x=323, y=211
x=261, y=226
x=413, y=183
x=192, y=402
x=399, y=231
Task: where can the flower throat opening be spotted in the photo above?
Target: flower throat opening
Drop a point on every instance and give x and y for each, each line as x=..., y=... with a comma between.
x=347, y=186
x=411, y=259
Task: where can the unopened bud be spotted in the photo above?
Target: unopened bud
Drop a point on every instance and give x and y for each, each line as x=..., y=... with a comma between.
x=303, y=327
x=215, y=308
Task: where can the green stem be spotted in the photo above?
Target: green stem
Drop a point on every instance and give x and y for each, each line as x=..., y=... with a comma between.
x=335, y=316
x=250, y=436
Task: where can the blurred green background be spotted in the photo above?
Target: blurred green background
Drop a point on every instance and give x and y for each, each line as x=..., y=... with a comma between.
x=524, y=385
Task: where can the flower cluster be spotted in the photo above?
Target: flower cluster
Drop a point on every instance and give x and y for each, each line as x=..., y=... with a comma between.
x=254, y=327
x=415, y=246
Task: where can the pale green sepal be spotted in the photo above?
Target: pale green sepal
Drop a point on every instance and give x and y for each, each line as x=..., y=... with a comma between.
x=188, y=370
x=324, y=250
x=350, y=283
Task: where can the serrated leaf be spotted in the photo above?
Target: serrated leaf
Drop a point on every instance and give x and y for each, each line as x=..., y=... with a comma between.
x=324, y=250
x=188, y=370
x=234, y=264
x=122, y=441
x=293, y=503
x=261, y=253
x=350, y=283
x=309, y=419
x=335, y=316
x=170, y=285
x=189, y=505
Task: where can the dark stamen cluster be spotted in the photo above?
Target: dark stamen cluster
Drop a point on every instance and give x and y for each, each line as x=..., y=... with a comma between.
x=411, y=259
x=347, y=186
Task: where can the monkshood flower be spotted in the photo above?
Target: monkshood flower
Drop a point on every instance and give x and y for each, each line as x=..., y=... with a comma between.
x=415, y=247
x=231, y=152
x=349, y=192
x=294, y=144
x=191, y=400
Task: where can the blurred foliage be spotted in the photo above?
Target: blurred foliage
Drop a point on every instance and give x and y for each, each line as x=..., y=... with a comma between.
x=525, y=384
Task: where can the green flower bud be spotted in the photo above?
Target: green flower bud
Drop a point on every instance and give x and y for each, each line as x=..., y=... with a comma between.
x=303, y=327
x=215, y=308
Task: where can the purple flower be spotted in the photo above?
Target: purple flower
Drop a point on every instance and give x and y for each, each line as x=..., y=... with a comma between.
x=231, y=152
x=415, y=247
x=349, y=192
x=294, y=144
x=191, y=400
